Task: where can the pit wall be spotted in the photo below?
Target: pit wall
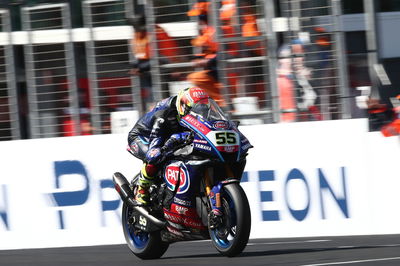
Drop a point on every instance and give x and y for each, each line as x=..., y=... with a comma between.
x=302, y=179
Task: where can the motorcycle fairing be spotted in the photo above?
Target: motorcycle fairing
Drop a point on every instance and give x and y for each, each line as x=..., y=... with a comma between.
x=177, y=177
x=219, y=135
x=244, y=144
x=181, y=179
x=182, y=217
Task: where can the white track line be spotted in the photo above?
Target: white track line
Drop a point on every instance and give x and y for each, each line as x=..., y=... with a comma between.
x=352, y=261
x=290, y=242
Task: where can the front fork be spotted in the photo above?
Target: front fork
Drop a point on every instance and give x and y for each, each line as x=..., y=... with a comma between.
x=215, y=216
x=213, y=194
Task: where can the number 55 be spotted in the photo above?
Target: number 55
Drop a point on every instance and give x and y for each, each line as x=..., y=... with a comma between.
x=225, y=138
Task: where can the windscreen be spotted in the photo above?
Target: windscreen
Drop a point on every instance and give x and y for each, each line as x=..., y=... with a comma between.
x=209, y=111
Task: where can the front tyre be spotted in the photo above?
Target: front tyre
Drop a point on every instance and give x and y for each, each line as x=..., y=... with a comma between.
x=144, y=245
x=232, y=235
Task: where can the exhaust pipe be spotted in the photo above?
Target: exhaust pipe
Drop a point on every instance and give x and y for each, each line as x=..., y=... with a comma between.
x=127, y=196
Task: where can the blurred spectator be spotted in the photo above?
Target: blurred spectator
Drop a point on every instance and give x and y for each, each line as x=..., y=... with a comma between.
x=227, y=14
x=206, y=79
x=208, y=59
x=323, y=43
x=250, y=29
x=293, y=79
x=287, y=101
x=308, y=111
x=323, y=70
x=69, y=126
x=253, y=46
x=47, y=95
x=384, y=118
x=141, y=49
x=228, y=18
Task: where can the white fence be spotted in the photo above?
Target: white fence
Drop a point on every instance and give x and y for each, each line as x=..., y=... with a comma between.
x=302, y=179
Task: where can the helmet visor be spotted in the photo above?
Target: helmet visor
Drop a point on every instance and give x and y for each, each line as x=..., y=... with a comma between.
x=208, y=110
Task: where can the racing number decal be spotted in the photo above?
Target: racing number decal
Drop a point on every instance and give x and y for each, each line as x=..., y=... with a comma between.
x=225, y=138
x=142, y=221
x=224, y=141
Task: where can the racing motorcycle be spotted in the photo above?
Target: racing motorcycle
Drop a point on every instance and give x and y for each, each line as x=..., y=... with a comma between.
x=198, y=195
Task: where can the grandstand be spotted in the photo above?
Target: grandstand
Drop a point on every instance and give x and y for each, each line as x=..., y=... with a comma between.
x=65, y=66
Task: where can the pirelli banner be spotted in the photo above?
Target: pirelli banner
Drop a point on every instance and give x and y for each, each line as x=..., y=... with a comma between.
x=302, y=179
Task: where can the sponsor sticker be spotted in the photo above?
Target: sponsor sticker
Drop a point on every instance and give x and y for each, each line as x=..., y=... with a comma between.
x=230, y=148
x=174, y=173
x=196, y=124
x=200, y=141
x=202, y=147
x=221, y=125
x=179, y=209
x=183, y=202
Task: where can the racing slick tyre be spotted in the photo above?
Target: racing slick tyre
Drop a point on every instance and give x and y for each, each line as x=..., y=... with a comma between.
x=230, y=237
x=143, y=244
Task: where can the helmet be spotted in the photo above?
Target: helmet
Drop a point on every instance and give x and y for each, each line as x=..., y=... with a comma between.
x=188, y=97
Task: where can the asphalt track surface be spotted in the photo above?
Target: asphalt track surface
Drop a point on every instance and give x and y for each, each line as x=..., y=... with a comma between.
x=351, y=250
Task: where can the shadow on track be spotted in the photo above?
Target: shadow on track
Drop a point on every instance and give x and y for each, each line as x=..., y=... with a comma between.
x=272, y=252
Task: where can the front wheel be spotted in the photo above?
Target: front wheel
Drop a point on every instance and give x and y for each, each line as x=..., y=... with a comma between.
x=144, y=245
x=232, y=235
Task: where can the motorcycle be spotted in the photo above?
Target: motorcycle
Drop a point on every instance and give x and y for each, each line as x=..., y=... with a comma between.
x=198, y=195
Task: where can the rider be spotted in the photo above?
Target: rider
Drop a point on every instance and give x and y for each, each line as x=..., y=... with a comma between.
x=157, y=132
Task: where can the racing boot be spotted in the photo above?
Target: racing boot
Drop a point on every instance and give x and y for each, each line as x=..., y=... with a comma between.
x=142, y=196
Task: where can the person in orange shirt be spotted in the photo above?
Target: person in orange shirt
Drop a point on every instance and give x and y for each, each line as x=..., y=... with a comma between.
x=252, y=46
x=227, y=15
x=287, y=99
x=141, y=49
x=206, y=79
x=250, y=29
x=228, y=18
x=297, y=97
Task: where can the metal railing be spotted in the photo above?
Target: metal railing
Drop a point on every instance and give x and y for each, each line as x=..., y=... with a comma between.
x=316, y=53
x=260, y=79
x=108, y=62
x=50, y=72
x=9, y=113
x=269, y=67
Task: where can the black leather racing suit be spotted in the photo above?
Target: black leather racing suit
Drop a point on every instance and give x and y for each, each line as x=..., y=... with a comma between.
x=151, y=131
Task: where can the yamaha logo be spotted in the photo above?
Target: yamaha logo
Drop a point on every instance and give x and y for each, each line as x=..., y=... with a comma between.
x=202, y=147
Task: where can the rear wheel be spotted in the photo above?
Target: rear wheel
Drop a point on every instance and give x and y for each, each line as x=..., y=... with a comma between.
x=143, y=244
x=232, y=235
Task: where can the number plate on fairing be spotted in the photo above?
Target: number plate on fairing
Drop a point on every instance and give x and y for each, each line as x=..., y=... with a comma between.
x=224, y=140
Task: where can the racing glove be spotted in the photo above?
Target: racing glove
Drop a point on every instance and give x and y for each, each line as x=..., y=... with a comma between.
x=177, y=140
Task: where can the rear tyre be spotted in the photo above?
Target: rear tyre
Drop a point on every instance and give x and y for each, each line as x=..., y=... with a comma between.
x=144, y=245
x=231, y=237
